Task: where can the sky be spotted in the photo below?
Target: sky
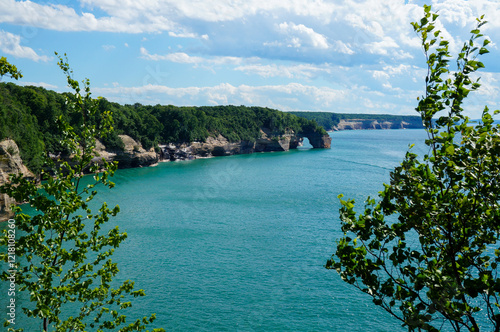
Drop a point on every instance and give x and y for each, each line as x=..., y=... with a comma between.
x=345, y=56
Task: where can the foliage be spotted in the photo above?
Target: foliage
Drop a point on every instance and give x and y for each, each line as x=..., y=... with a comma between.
x=63, y=255
x=28, y=114
x=9, y=69
x=327, y=120
x=428, y=251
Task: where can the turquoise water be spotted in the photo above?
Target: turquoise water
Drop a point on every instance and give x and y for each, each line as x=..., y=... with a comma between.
x=239, y=243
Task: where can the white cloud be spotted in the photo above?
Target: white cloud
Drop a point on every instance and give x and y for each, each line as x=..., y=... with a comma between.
x=382, y=47
x=299, y=35
x=489, y=85
x=341, y=47
x=47, y=86
x=456, y=11
x=108, y=48
x=215, y=10
x=362, y=27
x=181, y=57
x=178, y=57
x=304, y=96
x=359, y=47
x=11, y=44
x=300, y=71
x=380, y=75
x=188, y=35
x=129, y=18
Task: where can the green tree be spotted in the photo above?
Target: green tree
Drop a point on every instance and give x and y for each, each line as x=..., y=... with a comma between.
x=428, y=250
x=62, y=255
x=8, y=69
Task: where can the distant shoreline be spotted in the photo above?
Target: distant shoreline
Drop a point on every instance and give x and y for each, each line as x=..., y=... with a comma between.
x=345, y=121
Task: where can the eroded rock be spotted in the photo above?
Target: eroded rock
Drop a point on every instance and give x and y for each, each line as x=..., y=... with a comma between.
x=10, y=163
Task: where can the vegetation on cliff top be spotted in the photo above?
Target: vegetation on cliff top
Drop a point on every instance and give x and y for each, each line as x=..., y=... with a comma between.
x=28, y=114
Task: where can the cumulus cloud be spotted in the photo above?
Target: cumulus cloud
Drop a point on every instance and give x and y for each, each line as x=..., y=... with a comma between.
x=383, y=47
x=11, y=44
x=388, y=71
x=303, y=47
x=225, y=93
x=181, y=57
x=299, y=34
x=177, y=57
x=300, y=71
x=215, y=10
x=188, y=35
x=129, y=18
x=342, y=47
x=287, y=97
x=347, y=27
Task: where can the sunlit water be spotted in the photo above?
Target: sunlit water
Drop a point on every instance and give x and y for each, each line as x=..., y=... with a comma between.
x=239, y=243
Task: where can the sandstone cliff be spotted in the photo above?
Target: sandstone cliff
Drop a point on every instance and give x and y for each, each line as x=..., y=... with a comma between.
x=134, y=155
x=10, y=163
x=220, y=146
x=357, y=124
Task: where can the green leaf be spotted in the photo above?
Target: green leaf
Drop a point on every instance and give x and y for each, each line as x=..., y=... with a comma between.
x=448, y=202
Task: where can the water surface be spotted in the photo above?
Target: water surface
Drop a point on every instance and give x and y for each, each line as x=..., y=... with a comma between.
x=239, y=243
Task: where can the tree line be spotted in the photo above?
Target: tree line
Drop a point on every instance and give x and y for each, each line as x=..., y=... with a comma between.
x=28, y=114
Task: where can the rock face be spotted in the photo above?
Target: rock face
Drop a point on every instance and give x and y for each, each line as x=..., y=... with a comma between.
x=357, y=124
x=319, y=141
x=220, y=146
x=212, y=147
x=10, y=163
x=133, y=154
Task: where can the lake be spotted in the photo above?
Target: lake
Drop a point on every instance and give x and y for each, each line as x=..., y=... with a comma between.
x=239, y=243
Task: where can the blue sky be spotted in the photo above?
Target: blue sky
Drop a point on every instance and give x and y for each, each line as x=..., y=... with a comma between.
x=348, y=56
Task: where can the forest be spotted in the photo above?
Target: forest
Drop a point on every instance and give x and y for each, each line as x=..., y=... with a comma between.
x=28, y=115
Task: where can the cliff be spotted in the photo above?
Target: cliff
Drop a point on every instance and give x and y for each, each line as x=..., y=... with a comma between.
x=356, y=124
x=133, y=154
x=10, y=163
x=352, y=121
x=220, y=146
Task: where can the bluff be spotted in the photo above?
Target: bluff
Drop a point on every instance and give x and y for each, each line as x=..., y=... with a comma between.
x=10, y=163
x=346, y=121
x=221, y=146
x=358, y=124
x=131, y=155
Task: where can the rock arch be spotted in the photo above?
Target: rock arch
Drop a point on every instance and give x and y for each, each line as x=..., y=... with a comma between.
x=317, y=140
